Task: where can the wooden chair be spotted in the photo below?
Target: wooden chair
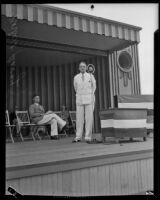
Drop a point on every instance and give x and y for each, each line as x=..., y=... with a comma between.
x=72, y=115
x=9, y=126
x=23, y=118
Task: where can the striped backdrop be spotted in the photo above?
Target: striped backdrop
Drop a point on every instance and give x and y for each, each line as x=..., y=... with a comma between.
x=137, y=101
x=54, y=83
x=123, y=122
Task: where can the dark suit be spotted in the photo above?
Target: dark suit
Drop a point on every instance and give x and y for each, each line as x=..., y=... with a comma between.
x=36, y=112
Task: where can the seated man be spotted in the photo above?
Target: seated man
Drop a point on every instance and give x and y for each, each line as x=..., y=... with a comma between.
x=38, y=116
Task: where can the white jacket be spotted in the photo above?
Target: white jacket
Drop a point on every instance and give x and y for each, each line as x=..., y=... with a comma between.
x=84, y=89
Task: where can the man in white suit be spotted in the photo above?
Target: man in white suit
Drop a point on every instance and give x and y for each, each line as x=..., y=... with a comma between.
x=85, y=86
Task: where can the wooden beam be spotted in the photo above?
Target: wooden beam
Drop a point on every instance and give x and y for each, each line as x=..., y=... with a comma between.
x=30, y=43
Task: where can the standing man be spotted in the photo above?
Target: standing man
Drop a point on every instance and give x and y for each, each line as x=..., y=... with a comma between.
x=38, y=116
x=85, y=86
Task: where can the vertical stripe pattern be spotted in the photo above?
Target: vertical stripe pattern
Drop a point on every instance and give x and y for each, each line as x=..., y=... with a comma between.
x=76, y=21
x=115, y=179
x=54, y=84
x=116, y=74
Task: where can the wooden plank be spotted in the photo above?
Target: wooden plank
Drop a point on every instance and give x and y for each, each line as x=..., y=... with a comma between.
x=132, y=184
x=59, y=184
x=27, y=158
x=136, y=177
x=95, y=181
x=116, y=174
x=151, y=172
x=84, y=182
x=124, y=178
x=54, y=182
x=50, y=184
x=101, y=180
x=46, y=188
x=73, y=172
x=25, y=186
x=35, y=185
x=144, y=175
x=139, y=178
x=76, y=183
x=149, y=166
x=107, y=179
x=91, y=181
x=66, y=183
x=61, y=155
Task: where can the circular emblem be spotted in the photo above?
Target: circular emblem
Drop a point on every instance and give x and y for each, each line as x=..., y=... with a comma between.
x=124, y=61
x=90, y=68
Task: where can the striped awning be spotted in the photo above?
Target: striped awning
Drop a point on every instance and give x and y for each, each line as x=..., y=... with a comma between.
x=71, y=20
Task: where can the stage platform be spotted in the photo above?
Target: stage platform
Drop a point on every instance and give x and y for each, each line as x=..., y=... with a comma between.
x=60, y=167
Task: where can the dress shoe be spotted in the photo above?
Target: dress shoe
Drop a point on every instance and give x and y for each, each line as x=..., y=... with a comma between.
x=76, y=140
x=55, y=137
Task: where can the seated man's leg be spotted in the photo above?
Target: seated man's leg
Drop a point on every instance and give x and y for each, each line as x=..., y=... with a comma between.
x=61, y=123
x=54, y=130
x=48, y=119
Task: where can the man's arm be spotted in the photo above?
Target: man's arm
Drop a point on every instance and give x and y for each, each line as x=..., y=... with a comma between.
x=75, y=84
x=93, y=84
x=33, y=113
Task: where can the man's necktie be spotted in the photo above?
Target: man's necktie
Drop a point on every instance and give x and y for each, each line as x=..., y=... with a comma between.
x=82, y=77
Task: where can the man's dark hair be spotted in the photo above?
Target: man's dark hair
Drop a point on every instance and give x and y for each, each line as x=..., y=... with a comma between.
x=35, y=95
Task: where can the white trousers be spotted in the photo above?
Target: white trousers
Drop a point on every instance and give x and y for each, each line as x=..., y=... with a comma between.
x=84, y=114
x=55, y=121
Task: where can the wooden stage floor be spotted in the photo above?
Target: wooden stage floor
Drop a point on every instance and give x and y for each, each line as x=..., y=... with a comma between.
x=45, y=151
x=60, y=167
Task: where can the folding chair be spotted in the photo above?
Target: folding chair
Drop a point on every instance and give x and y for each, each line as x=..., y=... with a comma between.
x=23, y=118
x=72, y=115
x=9, y=126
